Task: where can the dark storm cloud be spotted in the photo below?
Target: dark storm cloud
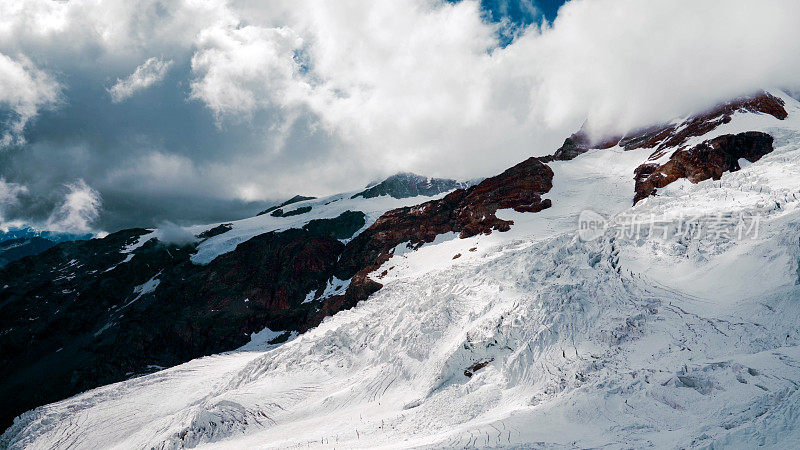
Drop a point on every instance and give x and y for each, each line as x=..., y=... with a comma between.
x=146, y=155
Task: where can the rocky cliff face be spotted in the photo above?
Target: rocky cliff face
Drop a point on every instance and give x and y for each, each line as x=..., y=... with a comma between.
x=708, y=160
x=468, y=212
x=295, y=199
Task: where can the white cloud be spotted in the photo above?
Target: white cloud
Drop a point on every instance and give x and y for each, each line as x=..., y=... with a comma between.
x=421, y=85
x=95, y=35
x=149, y=73
x=10, y=192
x=9, y=196
x=319, y=97
x=78, y=210
x=626, y=63
x=171, y=234
x=241, y=69
x=24, y=90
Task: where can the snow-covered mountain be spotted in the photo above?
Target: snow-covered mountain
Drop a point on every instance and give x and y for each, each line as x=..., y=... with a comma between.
x=630, y=291
x=84, y=314
x=408, y=184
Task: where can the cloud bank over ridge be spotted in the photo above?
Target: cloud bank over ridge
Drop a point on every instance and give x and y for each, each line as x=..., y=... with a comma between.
x=248, y=101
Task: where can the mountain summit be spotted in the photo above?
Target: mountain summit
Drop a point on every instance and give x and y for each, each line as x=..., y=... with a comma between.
x=407, y=184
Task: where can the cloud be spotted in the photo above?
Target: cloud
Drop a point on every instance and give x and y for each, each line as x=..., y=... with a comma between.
x=269, y=99
x=78, y=210
x=24, y=90
x=241, y=69
x=627, y=63
x=9, y=196
x=171, y=234
x=149, y=73
x=423, y=86
x=10, y=192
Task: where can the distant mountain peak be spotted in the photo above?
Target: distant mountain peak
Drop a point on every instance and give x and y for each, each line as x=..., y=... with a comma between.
x=295, y=199
x=408, y=184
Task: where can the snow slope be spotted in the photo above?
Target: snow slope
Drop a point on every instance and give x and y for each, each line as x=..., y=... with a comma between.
x=531, y=338
x=324, y=208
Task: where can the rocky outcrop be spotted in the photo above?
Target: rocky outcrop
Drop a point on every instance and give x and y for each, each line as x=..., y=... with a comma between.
x=216, y=231
x=664, y=138
x=667, y=138
x=468, y=212
x=295, y=212
x=577, y=144
x=708, y=160
x=295, y=199
x=404, y=185
x=344, y=227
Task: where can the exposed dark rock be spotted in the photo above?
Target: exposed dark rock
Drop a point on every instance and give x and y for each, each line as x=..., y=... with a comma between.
x=708, y=160
x=216, y=231
x=674, y=136
x=404, y=185
x=476, y=367
x=342, y=227
x=295, y=199
x=295, y=212
x=578, y=144
x=77, y=316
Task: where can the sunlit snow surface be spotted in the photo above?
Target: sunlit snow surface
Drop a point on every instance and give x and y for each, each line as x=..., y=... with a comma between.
x=614, y=343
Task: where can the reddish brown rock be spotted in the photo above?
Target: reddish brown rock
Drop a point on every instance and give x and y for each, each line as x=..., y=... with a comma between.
x=709, y=159
x=476, y=367
x=469, y=212
x=578, y=144
x=672, y=136
x=663, y=138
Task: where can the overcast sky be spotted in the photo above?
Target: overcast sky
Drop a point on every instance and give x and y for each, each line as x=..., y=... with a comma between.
x=122, y=113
